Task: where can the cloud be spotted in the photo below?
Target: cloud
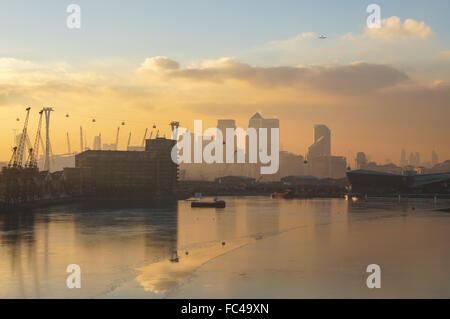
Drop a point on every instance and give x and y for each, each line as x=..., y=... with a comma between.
x=356, y=77
x=158, y=63
x=392, y=28
x=446, y=53
x=12, y=64
x=293, y=41
x=367, y=95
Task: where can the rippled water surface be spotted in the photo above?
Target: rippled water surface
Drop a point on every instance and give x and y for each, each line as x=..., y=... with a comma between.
x=257, y=247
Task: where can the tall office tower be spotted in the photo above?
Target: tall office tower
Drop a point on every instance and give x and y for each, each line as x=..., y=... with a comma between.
x=411, y=159
x=417, y=159
x=97, y=142
x=322, y=142
x=434, y=158
x=403, y=161
x=258, y=122
x=361, y=160
x=222, y=125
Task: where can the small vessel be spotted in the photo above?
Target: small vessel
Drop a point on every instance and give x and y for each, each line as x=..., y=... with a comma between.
x=214, y=204
x=174, y=258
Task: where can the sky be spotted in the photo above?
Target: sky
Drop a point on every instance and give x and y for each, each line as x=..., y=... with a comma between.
x=151, y=62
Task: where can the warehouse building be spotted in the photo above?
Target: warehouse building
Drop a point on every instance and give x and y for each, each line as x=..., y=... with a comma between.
x=147, y=173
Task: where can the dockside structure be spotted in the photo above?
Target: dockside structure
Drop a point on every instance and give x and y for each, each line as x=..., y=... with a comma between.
x=130, y=173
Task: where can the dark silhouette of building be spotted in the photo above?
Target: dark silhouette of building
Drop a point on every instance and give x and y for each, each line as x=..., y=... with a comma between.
x=148, y=173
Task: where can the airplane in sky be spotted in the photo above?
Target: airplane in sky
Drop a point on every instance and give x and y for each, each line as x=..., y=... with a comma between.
x=322, y=37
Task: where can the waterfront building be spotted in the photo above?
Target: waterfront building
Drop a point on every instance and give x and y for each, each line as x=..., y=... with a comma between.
x=151, y=172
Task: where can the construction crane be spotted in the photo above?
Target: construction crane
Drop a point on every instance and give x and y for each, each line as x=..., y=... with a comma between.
x=34, y=152
x=174, y=129
x=13, y=157
x=145, y=135
x=20, y=148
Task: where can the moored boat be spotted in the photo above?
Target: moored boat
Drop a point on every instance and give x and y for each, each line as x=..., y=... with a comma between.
x=213, y=204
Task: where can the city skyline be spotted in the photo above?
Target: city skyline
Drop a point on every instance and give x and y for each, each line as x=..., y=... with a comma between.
x=321, y=145
x=227, y=155
x=364, y=84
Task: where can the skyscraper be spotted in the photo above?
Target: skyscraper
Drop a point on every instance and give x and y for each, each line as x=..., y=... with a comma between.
x=412, y=159
x=222, y=125
x=403, y=161
x=257, y=122
x=417, y=159
x=97, y=142
x=361, y=160
x=434, y=158
x=322, y=142
x=321, y=163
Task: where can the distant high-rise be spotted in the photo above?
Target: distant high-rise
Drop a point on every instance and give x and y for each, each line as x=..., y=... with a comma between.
x=321, y=163
x=417, y=161
x=411, y=159
x=361, y=160
x=434, y=158
x=257, y=122
x=223, y=125
x=322, y=142
x=403, y=161
x=97, y=142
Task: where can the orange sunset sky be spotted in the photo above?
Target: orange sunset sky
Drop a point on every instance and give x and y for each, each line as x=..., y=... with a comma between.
x=378, y=90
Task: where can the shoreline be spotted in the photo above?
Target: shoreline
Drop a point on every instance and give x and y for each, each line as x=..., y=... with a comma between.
x=139, y=199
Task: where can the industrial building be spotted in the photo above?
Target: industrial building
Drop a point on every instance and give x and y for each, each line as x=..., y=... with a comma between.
x=387, y=184
x=147, y=173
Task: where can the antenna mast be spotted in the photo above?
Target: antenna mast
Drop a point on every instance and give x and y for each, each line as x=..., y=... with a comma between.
x=68, y=143
x=129, y=140
x=145, y=135
x=47, y=111
x=81, y=139
x=117, y=139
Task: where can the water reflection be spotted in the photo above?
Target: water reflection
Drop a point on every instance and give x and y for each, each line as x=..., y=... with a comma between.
x=124, y=249
x=107, y=241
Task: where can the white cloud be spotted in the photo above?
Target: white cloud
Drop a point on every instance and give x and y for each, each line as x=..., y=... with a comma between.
x=293, y=41
x=158, y=63
x=392, y=28
x=12, y=64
